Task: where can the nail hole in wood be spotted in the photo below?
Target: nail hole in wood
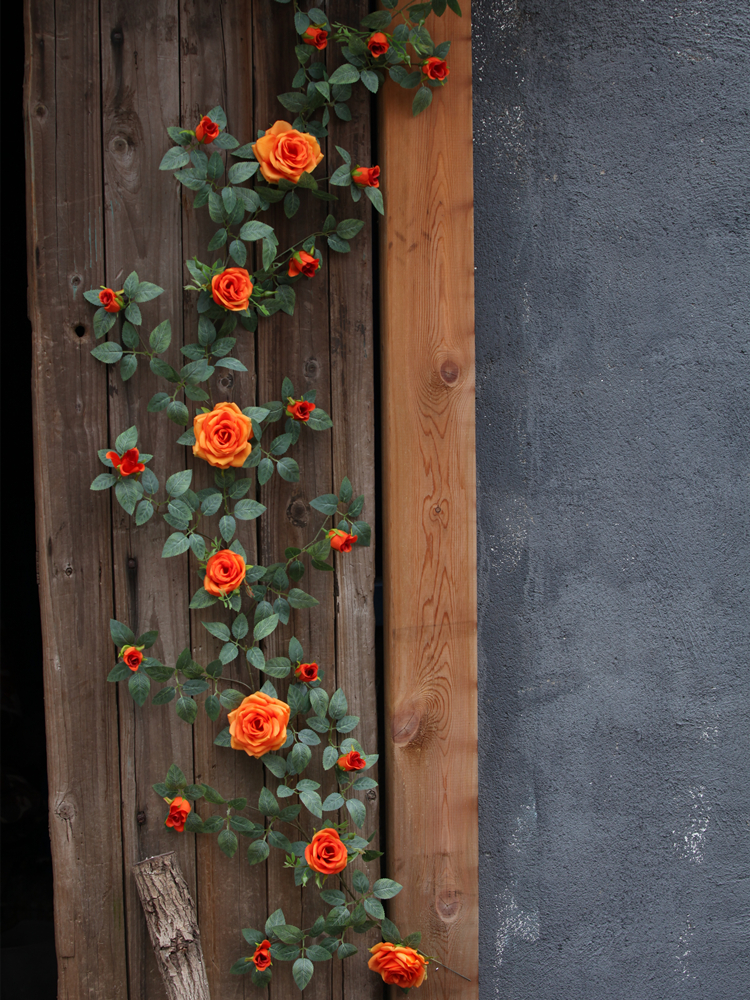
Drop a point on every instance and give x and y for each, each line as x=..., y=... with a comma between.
x=80, y=331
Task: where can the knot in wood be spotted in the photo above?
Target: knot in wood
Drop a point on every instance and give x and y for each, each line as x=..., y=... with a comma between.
x=448, y=904
x=40, y=111
x=371, y=795
x=75, y=280
x=141, y=818
x=312, y=368
x=226, y=382
x=66, y=811
x=449, y=372
x=68, y=570
x=405, y=726
x=297, y=512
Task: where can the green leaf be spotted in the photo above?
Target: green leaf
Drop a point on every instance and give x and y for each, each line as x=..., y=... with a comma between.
x=317, y=953
x=175, y=779
x=346, y=73
x=258, y=851
x=267, y=803
x=299, y=599
x=119, y=672
x=228, y=842
x=108, y=352
x=164, y=696
x=174, y=158
x=358, y=814
x=161, y=337
x=422, y=100
x=275, y=764
x=311, y=801
x=103, y=322
x=348, y=723
x=338, y=706
x=175, y=545
x=240, y=627
x=212, y=706
x=370, y=80
x=121, y=634
x=227, y=526
x=333, y=801
x=238, y=252
x=375, y=908
x=346, y=950
x=336, y=243
x=386, y=888
x=248, y=510
x=202, y=599
x=327, y=504
x=454, y=6
x=223, y=739
x=178, y=412
x=360, y=881
x=376, y=21
x=302, y=971
x=139, y=686
x=180, y=482
x=127, y=440
x=330, y=756
x=158, y=402
x=288, y=469
x=146, y=291
x=389, y=931
x=133, y=313
x=187, y=710
x=288, y=933
x=218, y=629
x=128, y=365
x=265, y=627
x=255, y=231
x=103, y=482
x=277, y=667
x=348, y=228
x=278, y=840
x=298, y=758
x=319, y=701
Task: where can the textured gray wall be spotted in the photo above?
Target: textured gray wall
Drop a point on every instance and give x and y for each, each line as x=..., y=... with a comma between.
x=612, y=151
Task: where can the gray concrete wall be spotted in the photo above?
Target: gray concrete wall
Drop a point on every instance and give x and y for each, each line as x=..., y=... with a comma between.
x=612, y=154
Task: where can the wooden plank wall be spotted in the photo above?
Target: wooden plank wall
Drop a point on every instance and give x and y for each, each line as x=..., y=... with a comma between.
x=102, y=84
x=429, y=506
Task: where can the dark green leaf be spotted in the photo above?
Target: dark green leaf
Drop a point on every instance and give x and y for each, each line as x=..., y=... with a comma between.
x=187, y=709
x=228, y=842
x=302, y=971
x=223, y=739
x=422, y=100
x=108, y=352
x=346, y=73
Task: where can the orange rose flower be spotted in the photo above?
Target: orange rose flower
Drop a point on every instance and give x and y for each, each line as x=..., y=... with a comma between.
x=262, y=956
x=398, y=965
x=128, y=463
x=352, y=761
x=221, y=436
x=300, y=410
x=341, y=540
x=112, y=301
x=435, y=69
x=303, y=263
x=315, y=36
x=285, y=152
x=366, y=177
x=307, y=672
x=326, y=853
x=206, y=130
x=258, y=725
x=378, y=44
x=225, y=571
x=232, y=289
x=179, y=810
x=132, y=656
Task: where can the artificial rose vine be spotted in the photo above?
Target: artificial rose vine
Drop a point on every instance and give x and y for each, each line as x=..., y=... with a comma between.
x=283, y=733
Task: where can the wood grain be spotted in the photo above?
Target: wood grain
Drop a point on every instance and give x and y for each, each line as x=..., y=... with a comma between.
x=66, y=255
x=429, y=506
x=140, y=88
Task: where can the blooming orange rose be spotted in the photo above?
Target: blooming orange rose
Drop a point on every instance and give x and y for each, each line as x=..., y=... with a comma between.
x=326, y=853
x=366, y=177
x=112, y=301
x=285, y=152
x=341, y=540
x=221, y=436
x=378, y=44
x=352, y=761
x=132, y=657
x=128, y=463
x=258, y=725
x=225, y=571
x=435, y=69
x=315, y=36
x=307, y=672
x=398, y=965
x=232, y=289
x=262, y=956
x=179, y=810
x=303, y=263
x=300, y=410
x=206, y=130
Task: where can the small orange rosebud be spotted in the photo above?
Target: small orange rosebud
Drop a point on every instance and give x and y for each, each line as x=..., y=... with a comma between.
x=366, y=177
x=112, y=301
x=316, y=37
x=126, y=464
x=435, y=69
x=307, y=672
x=179, y=809
x=262, y=956
x=378, y=44
x=132, y=656
x=341, y=540
x=303, y=263
x=206, y=130
x=352, y=761
x=300, y=409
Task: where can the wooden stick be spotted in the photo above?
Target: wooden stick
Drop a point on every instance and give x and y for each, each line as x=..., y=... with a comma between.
x=172, y=927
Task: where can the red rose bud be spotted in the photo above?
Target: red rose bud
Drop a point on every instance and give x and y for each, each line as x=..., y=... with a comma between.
x=128, y=464
x=352, y=761
x=300, y=410
x=262, y=956
x=179, y=810
x=307, y=672
x=378, y=44
x=303, y=263
x=435, y=69
x=341, y=540
x=315, y=36
x=112, y=301
x=132, y=656
x=366, y=177
x=206, y=130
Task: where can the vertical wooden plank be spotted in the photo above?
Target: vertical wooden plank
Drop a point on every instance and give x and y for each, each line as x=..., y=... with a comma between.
x=297, y=346
x=350, y=285
x=140, y=98
x=66, y=256
x=429, y=506
x=216, y=69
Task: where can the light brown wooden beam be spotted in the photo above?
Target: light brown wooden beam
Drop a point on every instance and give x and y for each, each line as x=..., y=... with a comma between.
x=429, y=515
